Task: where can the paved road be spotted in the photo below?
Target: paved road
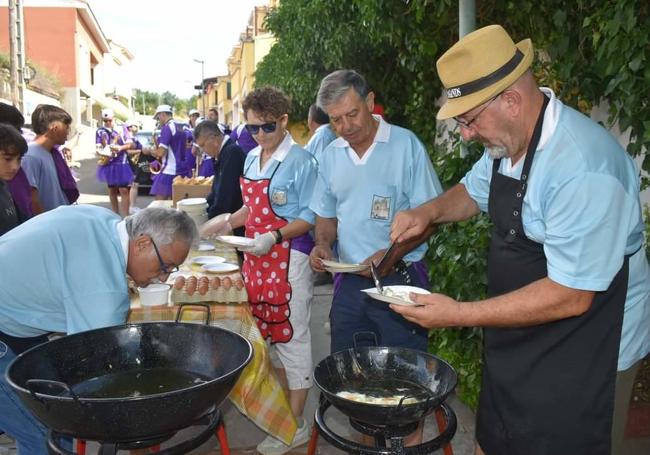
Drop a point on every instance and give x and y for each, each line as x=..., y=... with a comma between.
x=94, y=192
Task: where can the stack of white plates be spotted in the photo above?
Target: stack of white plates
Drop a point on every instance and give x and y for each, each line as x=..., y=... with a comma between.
x=196, y=208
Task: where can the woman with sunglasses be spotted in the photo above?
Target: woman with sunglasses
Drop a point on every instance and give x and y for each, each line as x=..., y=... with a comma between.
x=277, y=185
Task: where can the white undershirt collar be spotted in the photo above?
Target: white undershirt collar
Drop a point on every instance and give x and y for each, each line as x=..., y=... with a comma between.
x=551, y=119
x=382, y=135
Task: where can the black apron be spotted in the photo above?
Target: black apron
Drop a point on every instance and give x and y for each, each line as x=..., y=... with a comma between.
x=547, y=389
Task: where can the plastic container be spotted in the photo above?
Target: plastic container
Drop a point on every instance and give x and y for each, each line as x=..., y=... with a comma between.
x=196, y=208
x=156, y=294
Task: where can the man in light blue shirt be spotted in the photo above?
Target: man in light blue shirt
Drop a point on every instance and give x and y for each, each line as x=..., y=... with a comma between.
x=65, y=271
x=568, y=281
x=372, y=171
x=318, y=123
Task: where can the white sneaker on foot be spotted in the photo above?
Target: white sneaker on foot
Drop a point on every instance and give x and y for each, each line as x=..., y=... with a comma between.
x=273, y=446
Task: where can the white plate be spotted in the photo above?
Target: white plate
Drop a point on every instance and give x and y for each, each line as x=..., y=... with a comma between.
x=203, y=260
x=205, y=246
x=342, y=267
x=401, y=290
x=219, y=268
x=193, y=201
x=236, y=241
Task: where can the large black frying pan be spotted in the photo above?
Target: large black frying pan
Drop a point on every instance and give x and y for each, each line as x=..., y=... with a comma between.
x=129, y=382
x=420, y=380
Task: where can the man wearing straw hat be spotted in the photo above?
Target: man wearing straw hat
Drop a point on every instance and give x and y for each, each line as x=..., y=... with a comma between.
x=565, y=264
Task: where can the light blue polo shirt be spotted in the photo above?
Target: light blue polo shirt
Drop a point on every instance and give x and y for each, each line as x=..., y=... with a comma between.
x=319, y=141
x=63, y=271
x=292, y=184
x=582, y=204
x=364, y=194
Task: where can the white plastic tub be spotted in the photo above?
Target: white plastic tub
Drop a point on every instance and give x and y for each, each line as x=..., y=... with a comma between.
x=154, y=295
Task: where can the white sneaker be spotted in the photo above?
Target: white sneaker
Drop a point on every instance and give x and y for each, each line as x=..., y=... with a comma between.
x=272, y=446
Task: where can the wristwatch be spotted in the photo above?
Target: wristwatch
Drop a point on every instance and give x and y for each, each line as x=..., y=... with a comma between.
x=278, y=236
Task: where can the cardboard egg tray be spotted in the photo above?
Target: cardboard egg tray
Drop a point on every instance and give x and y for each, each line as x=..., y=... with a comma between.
x=222, y=288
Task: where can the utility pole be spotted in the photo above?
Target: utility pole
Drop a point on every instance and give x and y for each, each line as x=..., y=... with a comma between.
x=16, y=52
x=202, y=86
x=466, y=17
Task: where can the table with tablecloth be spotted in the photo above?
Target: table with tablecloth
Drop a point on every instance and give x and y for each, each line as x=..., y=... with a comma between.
x=258, y=393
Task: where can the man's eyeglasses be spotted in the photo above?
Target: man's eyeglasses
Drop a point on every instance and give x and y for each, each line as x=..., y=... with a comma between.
x=163, y=268
x=468, y=123
x=266, y=127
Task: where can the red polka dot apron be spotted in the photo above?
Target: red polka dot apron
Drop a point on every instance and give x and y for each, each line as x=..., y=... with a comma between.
x=266, y=277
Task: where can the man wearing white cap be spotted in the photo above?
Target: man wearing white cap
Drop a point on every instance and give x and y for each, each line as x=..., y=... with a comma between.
x=568, y=281
x=194, y=116
x=171, y=151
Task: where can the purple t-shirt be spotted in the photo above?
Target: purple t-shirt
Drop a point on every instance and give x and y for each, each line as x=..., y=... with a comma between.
x=173, y=138
x=21, y=192
x=105, y=136
x=243, y=138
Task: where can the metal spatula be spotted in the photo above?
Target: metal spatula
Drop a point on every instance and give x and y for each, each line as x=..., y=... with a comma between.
x=374, y=270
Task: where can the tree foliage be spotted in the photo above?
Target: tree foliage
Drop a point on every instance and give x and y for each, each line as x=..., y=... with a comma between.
x=588, y=51
x=146, y=102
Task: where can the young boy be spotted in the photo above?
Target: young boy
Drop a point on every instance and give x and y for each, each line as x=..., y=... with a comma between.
x=12, y=149
x=48, y=174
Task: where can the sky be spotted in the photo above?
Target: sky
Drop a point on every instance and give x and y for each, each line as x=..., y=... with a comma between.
x=166, y=36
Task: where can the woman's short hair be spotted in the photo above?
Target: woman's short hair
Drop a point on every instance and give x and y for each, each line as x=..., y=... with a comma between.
x=267, y=102
x=45, y=114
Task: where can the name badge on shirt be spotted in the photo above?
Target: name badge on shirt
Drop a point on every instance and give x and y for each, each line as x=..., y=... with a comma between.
x=279, y=197
x=380, y=208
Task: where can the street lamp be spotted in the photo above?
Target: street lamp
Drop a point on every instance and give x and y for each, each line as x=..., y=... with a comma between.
x=202, y=87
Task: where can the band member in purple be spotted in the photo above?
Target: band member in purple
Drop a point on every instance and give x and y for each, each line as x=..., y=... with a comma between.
x=171, y=150
x=114, y=168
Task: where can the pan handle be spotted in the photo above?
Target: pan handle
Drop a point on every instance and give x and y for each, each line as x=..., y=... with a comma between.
x=31, y=385
x=183, y=306
x=357, y=336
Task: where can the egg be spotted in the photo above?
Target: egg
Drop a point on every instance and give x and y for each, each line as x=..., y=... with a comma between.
x=191, y=285
x=215, y=283
x=179, y=283
x=203, y=288
x=226, y=283
x=239, y=284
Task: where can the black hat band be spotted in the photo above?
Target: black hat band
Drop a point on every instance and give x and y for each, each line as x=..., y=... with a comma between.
x=486, y=81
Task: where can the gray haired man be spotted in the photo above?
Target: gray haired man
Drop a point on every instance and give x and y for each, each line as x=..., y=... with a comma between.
x=65, y=271
x=365, y=176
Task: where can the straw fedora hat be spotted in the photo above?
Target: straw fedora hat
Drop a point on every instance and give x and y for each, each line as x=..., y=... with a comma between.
x=479, y=67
